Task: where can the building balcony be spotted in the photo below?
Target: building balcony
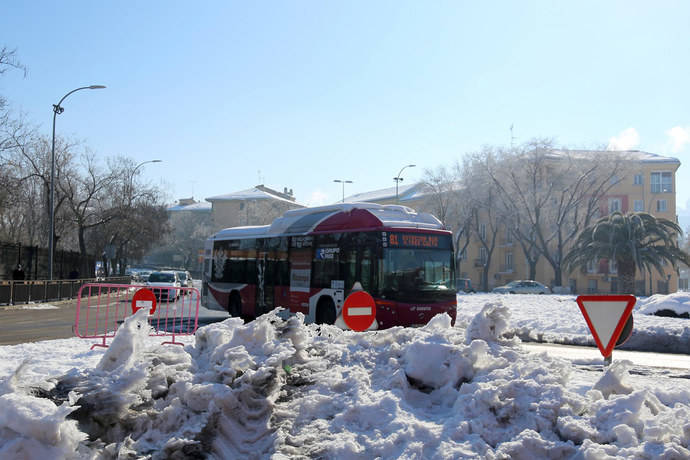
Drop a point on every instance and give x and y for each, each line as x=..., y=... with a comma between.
x=505, y=269
x=479, y=263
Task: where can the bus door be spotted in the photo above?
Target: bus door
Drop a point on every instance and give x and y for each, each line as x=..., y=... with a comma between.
x=264, y=284
x=301, y=251
x=277, y=273
x=359, y=264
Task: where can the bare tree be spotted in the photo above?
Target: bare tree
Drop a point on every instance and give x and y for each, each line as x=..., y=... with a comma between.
x=86, y=198
x=8, y=61
x=554, y=194
x=133, y=212
x=485, y=217
x=440, y=184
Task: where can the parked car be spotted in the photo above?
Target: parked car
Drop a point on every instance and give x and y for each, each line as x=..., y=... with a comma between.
x=164, y=285
x=522, y=287
x=185, y=278
x=464, y=284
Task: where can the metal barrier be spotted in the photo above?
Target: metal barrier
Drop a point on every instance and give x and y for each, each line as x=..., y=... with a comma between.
x=16, y=292
x=101, y=308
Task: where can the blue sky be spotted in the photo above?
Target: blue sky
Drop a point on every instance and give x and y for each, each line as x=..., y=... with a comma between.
x=297, y=94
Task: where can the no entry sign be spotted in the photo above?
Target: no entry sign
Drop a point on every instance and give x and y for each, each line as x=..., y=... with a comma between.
x=359, y=311
x=607, y=316
x=144, y=298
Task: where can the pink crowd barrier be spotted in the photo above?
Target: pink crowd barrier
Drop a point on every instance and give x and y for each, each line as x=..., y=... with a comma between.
x=101, y=308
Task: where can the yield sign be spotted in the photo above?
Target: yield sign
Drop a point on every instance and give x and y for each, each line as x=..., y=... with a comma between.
x=606, y=316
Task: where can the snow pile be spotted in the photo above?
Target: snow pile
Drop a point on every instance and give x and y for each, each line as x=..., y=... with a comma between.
x=676, y=304
x=557, y=319
x=281, y=389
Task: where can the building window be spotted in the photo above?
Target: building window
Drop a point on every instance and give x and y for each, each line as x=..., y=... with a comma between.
x=592, y=266
x=241, y=205
x=614, y=205
x=661, y=206
x=592, y=286
x=638, y=179
x=509, y=262
x=482, y=231
x=482, y=255
x=662, y=182
x=638, y=205
x=613, y=266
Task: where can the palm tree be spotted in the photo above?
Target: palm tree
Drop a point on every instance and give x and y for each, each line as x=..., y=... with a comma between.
x=636, y=241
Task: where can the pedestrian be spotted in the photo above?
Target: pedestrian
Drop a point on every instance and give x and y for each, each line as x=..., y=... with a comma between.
x=18, y=273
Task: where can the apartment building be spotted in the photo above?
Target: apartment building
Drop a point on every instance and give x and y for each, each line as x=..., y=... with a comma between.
x=255, y=206
x=648, y=185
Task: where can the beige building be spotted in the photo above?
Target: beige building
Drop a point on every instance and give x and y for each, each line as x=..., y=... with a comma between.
x=259, y=205
x=649, y=185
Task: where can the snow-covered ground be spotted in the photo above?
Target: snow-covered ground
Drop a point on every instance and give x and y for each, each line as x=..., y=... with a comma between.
x=280, y=389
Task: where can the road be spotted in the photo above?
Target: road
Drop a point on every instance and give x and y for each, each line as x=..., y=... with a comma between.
x=666, y=364
x=56, y=320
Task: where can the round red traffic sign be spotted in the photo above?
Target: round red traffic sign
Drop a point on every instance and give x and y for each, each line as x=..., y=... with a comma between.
x=144, y=298
x=359, y=311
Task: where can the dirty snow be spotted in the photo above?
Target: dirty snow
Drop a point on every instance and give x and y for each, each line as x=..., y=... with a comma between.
x=281, y=389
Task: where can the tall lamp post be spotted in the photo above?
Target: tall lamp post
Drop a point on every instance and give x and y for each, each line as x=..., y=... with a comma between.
x=57, y=109
x=131, y=179
x=397, y=180
x=342, y=181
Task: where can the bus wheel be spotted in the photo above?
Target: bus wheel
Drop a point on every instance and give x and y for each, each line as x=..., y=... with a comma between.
x=325, y=311
x=235, y=305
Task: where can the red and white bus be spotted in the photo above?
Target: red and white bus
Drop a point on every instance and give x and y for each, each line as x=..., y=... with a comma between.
x=309, y=259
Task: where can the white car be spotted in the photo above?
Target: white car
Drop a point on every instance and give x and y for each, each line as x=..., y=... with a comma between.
x=522, y=287
x=185, y=279
x=165, y=285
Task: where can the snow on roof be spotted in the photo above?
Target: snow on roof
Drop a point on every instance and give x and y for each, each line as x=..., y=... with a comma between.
x=253, y=193
x=196, y=207
x=633, y=155
x=307, y=220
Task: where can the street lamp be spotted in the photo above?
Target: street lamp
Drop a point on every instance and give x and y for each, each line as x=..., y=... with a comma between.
x=57, y=109
x=343, y=182
x=131, y=178
x=397, y=180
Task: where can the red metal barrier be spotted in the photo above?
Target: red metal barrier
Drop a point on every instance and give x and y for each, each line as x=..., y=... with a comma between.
x=101, y=308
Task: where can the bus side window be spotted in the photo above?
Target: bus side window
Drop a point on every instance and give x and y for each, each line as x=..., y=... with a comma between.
x=348, y=267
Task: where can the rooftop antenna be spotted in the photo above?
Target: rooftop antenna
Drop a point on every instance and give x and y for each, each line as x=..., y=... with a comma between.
x=512, y=138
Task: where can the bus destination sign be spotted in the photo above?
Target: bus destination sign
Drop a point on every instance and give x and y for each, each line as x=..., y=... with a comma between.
x=418, y=240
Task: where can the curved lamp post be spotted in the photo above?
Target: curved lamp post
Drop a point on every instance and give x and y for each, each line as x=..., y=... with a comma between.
x=57, y=110
x=139, y=166
x=134, y=171
x=397, y=180
x=343, y=182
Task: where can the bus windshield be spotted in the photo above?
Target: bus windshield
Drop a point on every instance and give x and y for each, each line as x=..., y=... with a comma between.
x=417, y=275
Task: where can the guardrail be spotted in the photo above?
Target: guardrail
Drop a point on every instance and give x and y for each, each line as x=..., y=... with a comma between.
x=24, y=292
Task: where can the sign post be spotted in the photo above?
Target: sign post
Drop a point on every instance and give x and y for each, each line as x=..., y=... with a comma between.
x=359, y=311
x=609, y=318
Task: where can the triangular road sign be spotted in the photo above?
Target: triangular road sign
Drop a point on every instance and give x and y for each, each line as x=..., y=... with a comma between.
x=606, y=316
